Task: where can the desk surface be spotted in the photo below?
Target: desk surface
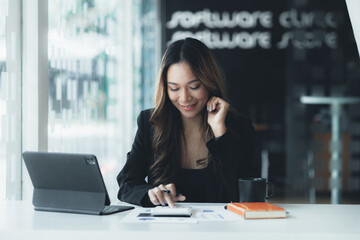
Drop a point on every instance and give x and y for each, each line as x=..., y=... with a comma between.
x=18, y=220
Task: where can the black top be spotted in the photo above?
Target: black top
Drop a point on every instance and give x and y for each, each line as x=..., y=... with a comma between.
x=195, y=184
x=231, y=158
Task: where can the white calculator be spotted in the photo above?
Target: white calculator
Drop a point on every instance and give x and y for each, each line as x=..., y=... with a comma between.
x=178, y=211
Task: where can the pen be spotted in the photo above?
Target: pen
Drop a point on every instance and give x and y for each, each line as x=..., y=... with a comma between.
x=168, y=192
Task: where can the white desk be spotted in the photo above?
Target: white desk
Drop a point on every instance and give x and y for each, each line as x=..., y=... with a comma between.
x=18, y=220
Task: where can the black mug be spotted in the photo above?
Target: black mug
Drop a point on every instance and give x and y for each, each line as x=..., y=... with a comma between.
x=254, y=189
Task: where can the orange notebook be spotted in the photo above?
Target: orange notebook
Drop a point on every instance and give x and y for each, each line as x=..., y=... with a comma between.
x=256, y=210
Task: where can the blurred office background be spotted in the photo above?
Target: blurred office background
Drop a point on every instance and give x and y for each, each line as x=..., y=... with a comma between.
x=76, y=73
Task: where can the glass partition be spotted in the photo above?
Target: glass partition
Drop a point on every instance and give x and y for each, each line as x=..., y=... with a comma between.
x=95, y=79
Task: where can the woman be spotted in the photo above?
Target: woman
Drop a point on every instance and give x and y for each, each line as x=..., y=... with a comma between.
x=190, y=146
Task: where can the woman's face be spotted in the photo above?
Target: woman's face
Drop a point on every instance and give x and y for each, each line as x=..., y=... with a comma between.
x=185, y=91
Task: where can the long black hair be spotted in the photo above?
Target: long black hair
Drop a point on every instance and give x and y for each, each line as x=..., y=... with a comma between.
x=166, y=118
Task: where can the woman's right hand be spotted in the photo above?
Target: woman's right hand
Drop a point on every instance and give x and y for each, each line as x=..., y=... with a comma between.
x=157, y=195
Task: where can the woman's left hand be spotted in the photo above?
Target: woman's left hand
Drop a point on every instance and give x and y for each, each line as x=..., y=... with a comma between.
x=217, y=110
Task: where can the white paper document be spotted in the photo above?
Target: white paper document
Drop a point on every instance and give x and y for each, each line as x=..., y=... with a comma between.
x=199, y=214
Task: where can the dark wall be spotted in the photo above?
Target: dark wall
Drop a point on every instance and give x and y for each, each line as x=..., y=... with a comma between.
x=273, y=52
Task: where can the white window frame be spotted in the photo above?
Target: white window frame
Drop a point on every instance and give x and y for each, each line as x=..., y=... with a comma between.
x=35, y=81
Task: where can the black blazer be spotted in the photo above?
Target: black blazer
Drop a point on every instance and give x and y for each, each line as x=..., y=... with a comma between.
x=232, y=156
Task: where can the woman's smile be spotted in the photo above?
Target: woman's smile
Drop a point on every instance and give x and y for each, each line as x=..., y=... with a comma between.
x=188, y=107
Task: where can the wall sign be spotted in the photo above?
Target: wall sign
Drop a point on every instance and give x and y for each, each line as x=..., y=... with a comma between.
x=247, y=30
x=255, y=41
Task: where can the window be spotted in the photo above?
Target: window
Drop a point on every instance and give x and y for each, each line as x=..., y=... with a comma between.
x=10, y=100
x=77, y=89
x=95, y=77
